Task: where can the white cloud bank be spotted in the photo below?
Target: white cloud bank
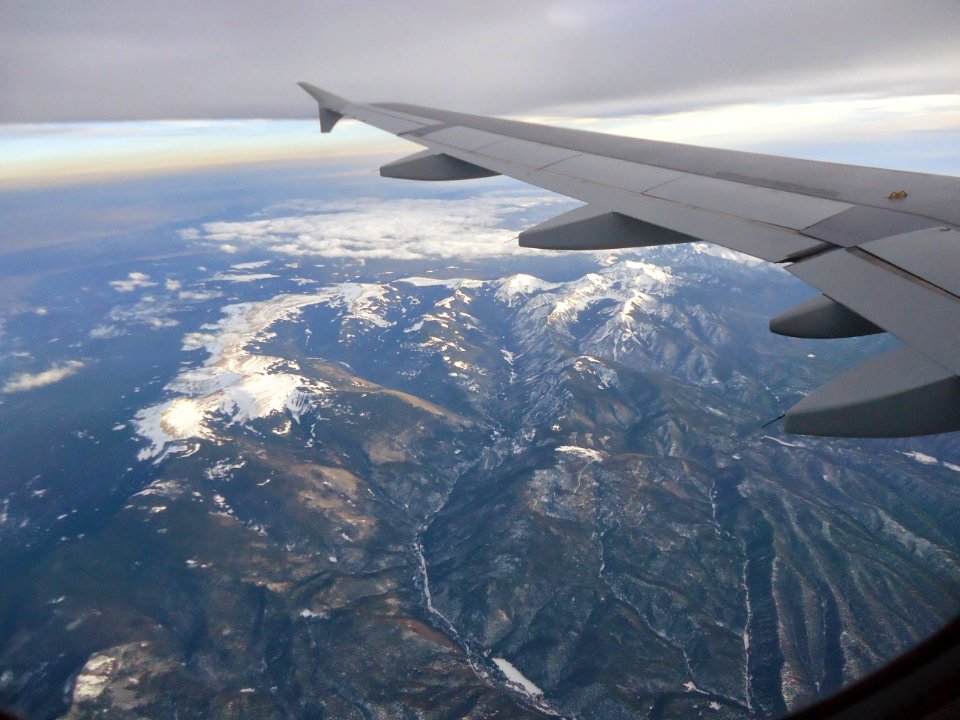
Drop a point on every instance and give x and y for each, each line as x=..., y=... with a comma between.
x=398, y=229
x=29, y=381
x=134, y=280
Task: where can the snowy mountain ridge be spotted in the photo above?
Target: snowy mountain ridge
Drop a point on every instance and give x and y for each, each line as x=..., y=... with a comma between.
x=616, y=312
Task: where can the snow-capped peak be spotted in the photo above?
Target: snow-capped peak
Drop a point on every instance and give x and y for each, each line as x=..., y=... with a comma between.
x=521, y=285
x=233, y=383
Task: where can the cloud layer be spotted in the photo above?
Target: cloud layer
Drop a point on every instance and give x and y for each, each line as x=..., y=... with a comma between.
x=29, y=381
x=398, y=229
x=117, y=60
x=134, y=281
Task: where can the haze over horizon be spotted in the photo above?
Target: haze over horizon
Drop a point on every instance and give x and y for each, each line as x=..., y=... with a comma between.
x=868, y=82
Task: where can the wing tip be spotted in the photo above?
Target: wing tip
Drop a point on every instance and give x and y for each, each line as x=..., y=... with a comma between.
x=326, y=99
x=311, y=90
x=331, y=106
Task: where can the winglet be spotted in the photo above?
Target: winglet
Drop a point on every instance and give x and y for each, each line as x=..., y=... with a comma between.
x=331, y=106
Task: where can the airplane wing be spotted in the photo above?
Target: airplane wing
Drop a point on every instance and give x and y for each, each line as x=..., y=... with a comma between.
x=883, y=246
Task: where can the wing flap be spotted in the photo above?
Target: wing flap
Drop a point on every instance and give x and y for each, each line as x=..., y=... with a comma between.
x=932, y=254
x=862, y=224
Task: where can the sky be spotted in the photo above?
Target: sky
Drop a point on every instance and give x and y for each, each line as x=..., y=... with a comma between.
x=120, y=60
x=794, y=76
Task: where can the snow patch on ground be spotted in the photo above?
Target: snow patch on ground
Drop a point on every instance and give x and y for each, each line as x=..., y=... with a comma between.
x=250, y=265
x=581, y=452
x=237, y=384
x=243, y=277
x=233, y=383
x=93, y=679
x=364, y=301
x=427, y=282
x=162, y=488
x=920, y=457
x=726, y=254
x=628, y=291
x=784, y=442
x=519, y=286
x=517, y=678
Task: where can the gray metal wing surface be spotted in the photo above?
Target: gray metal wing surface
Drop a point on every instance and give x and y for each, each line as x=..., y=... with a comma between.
x=883, y=246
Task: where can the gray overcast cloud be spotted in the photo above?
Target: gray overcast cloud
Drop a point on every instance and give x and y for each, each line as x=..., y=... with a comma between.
x=110, y=60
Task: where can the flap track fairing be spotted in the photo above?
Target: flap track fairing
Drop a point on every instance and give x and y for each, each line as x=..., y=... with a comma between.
x=898, y=394
x=430, y=165
x=587, y=228
x=823, y=318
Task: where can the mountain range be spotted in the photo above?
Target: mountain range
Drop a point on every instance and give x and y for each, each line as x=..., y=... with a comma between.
x=513, y=497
